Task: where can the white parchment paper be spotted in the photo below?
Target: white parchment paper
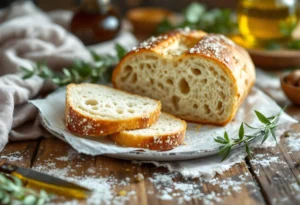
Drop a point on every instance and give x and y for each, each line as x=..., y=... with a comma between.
x=198, y=138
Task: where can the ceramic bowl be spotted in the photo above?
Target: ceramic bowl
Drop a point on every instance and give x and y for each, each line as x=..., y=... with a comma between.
x=292, y=92
x=145, y=20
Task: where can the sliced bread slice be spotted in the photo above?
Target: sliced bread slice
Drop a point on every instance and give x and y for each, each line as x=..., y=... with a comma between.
x=167, y=133
x=97, y=110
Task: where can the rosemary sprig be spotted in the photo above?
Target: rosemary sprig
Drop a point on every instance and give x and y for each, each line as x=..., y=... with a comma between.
x=12, y=191
x=79, y=71
x=268, y=127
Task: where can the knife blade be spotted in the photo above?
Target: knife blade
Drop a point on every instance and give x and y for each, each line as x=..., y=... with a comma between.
x=35, y=179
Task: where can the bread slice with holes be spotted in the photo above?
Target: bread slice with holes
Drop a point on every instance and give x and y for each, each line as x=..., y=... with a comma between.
x=166, y=133
x=97, y=110
x=198, y=77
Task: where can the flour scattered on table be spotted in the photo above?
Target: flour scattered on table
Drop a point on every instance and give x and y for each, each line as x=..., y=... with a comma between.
x=12, y=157
x=63, y=158
x=168, y=188
x=102, y=186
x=265, y=160
x=294, y=143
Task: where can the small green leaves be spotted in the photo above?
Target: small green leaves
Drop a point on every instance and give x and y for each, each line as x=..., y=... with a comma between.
x=262, y=118
x=268, y=126
x=220, y=140
x=79, y=71
x=12, y=191
x=226, y=137
x=196, y=16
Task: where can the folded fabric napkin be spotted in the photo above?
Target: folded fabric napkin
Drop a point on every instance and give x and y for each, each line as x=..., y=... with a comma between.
x=28, y=35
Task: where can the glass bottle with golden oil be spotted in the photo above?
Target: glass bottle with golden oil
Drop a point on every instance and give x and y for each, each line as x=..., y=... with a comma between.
x=260, y=21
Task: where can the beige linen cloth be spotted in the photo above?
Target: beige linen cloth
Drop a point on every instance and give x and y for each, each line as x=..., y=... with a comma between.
x=28, y=35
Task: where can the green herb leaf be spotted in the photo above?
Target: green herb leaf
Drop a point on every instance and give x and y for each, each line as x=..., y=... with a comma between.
x=226, y=137
x=266, y=135
x=273, y=134
x=248, y=151
x=220, y=140
x=262, y=118
x=225, y=151
x=241, y=131
x=121, y=51
x=41, y=201
x=95, y=56
x=29, y=200
x=193, y=12
x=164, y=27
x=254, y=128
x=6, y=199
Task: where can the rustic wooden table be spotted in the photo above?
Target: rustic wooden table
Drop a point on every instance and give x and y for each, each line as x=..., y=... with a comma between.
x=275, y=181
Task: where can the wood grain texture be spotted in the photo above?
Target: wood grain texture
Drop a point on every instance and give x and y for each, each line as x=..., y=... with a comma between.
x=52, y=151
x=277, y=170
x=19, y=153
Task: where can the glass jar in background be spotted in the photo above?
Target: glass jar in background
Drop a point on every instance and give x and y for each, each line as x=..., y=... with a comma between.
x=260, y=21
x=95, y=21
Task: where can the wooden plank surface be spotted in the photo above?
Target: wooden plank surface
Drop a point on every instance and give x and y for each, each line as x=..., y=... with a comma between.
x=56, y=156
x=277, y=169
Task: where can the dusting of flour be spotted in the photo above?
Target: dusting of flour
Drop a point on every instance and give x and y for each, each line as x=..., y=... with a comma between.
x=166, y=186
x=12, y=157
x=294, y=143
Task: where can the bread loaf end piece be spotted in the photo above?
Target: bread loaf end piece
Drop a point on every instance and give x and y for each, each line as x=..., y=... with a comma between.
x=166, y=133
x=96, y=110
x=201, y=78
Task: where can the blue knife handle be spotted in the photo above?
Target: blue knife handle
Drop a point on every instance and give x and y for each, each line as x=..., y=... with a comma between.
x=8, y=168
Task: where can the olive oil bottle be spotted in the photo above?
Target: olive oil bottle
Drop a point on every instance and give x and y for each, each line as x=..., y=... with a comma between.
x=262, y=20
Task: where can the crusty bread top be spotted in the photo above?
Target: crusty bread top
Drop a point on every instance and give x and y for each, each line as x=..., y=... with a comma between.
x=196, y=42
x=186, y=37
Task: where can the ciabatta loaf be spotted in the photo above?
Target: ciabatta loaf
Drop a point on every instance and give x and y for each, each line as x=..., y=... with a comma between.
x=166, y=133
x=96, y=110
x=197, y=76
